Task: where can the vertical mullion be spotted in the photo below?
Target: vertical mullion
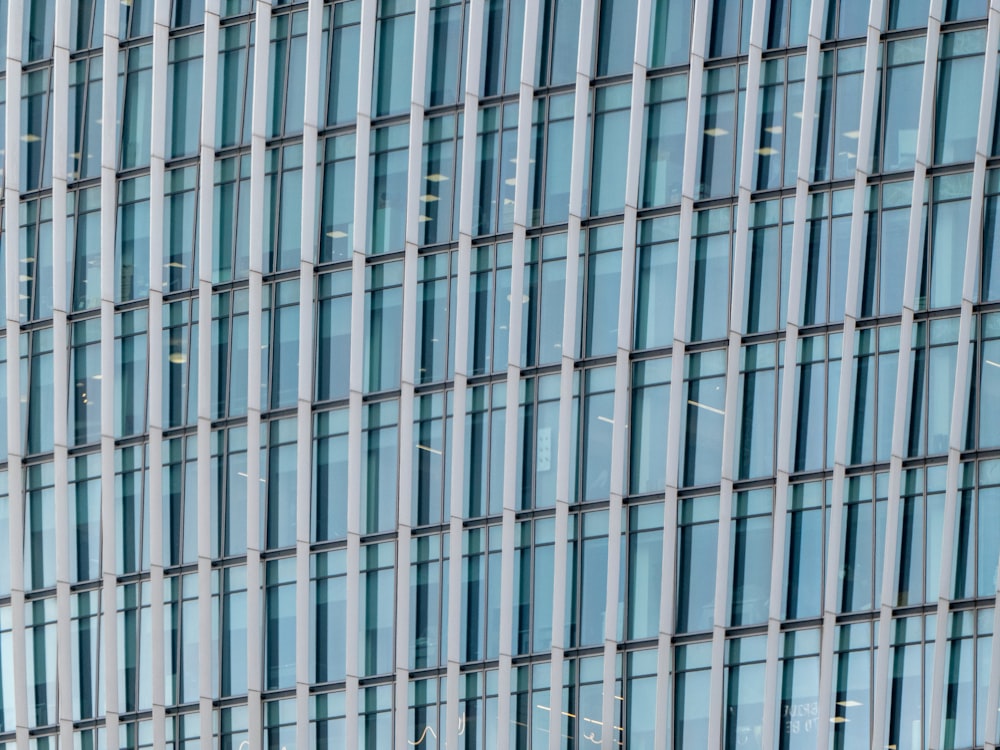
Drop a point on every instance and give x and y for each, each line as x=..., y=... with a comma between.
x=453, y=622
x=109, y=162
x=913, y=250
x=566, y=467
x=404, y=521
x=161, y=47
x=15, y=478
x=307, y=285
x=867, y=132
x=255, y=369
x=60, y=367
x=205, y=244
x=355, y=407
x=961, y=394
x=507, y=545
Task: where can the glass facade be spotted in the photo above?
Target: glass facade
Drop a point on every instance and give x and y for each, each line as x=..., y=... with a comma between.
x=499, y=374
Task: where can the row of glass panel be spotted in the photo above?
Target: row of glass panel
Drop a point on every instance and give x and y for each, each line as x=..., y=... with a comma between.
x=966, y=682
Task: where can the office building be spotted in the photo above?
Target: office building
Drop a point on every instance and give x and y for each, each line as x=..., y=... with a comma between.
x=499, y=374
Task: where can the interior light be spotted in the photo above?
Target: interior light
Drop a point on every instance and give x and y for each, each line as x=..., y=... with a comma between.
x=427, y=448
x=774, y=129
x=715, y=132
x=510, y=181
x=706, y=406
x=602, y=418
x=429, y=198
x=436, y=178
x=839, y=720
x=336, y=234
x=852, y=134
x=849, y=704
x=423, y=218
x=767, y=151
x=30, y=138
x=178, y=358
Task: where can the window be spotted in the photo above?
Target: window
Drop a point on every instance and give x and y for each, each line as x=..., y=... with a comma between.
x=600, y=291
x=333, y=335
x=705, y=405
x=341, y=50
x=489, y=308
x=503, y=33
x=697, y=544
x=710, y=275
x=387, y=199
x=650, y=420
x=610, y=142
x=835, y=154
x=445, y=56
x=380, y=470
x=231, y=223
x=179, y=524
x=228, y=490
x=655, y=282
x=729, y=27
x=180, y=229
x=393, y=57
x=36, y=128
x=383, y=325
x=485, y=428
x=538, y=438
x=805, y=549
x=280, y=344
x=750, y=557
x=544, y=291
x=824, y=287
x=757, y=408
x=932, y=386
x=230, y=318
x=35, y=279
x=132, y=240
x=287, y=74
x=135, y=85
x=85, y=382
x=870, y=421
x=817, y=387
x=180, y=363
x=234, y=86
x=779, y=123
x=336, y=187
x=663, y=148
x=550, y=161
x=283, y=208
x=279, y=628
x=558, y=33
x=863, y=541
x=480, y=593
x=670, y=32
x=184, y=87
x=440, y=179
x=615, y=36
x=428, y=601
x=496, y=167
x=84, y=122
x=432, y=453
x=377, y=610
x=896, y=136
x=131, y=384
x=278, y=465
x=328, y=634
